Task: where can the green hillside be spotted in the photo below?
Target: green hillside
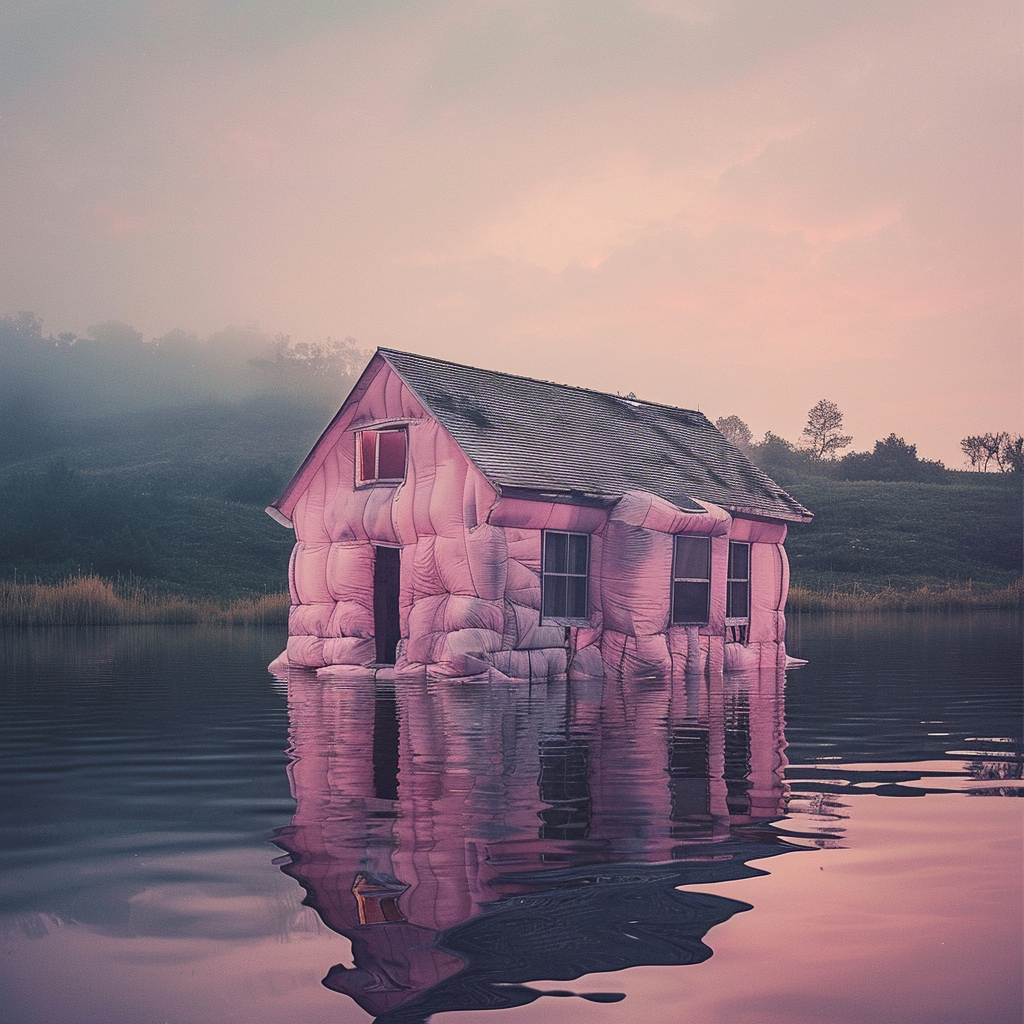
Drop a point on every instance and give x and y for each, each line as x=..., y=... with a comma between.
x=174, y=500
x=906, y=535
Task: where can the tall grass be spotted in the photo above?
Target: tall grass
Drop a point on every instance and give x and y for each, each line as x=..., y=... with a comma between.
x=921, y=599
x=94, y=601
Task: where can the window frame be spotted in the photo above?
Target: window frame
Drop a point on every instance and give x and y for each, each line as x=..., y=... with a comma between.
x=730, y=579
x=706, y=580
x=361, y=479
x=564, y=620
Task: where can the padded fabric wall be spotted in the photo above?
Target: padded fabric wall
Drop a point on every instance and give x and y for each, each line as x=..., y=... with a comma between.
x=470, y=592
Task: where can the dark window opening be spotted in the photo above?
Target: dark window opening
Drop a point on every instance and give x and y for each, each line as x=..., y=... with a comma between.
x=565, y=565
x=691, y=580
x=737, y=594
x=380, y=455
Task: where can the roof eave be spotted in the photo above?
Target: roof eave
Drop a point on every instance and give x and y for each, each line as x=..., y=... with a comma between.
x=763, y=515
x=556, y=497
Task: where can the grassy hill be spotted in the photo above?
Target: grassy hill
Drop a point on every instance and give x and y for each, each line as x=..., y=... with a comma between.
x=902, y=535
x=174, y=500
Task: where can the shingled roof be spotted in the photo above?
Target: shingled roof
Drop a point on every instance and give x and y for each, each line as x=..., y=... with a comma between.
x=535, y=436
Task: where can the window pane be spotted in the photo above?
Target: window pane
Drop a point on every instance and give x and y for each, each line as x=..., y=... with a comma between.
x=693, y=558
x=576, y=604
x=554, y=597
x=739, y=561
x=368, y=455
x=690, y=602
x=555, y=552
x=392, y=455
x=579, y=543
x=737, y=601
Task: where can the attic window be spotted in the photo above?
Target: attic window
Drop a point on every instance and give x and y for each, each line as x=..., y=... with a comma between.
x=380, y=455
x=691, y=580
x=566, y=565
x=737, y=594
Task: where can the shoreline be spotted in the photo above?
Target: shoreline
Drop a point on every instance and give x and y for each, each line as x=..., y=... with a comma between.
x=94, y=601
x=955, y=597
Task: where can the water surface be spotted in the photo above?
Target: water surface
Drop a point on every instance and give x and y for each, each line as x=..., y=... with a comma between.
x=186, y=839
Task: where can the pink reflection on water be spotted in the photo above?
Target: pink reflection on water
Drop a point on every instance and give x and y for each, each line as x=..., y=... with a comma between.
x=527, y=833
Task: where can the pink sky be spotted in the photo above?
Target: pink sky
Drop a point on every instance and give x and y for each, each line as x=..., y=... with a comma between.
x=711, y=203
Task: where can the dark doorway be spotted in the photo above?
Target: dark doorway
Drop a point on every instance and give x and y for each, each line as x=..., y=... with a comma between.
x=386, y=580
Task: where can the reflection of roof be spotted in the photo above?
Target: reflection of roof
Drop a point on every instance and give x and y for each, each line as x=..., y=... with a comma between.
x=563, y=923
x=566, y=440
x=590, y=920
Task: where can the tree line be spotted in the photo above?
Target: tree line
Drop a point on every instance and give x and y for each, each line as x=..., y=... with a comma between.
x=1004, y=450
x=892, y=458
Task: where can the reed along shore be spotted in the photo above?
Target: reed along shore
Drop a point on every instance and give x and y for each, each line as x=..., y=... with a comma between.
x=94, y=601
x=90, y=600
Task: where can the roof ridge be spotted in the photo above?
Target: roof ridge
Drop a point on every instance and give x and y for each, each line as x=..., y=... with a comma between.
x=539, y=380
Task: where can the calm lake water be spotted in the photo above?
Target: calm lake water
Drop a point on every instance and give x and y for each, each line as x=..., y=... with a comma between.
x=187, y=840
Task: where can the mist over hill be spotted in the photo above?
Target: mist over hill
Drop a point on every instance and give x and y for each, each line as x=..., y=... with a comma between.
x=113, y=375
x=154, y=460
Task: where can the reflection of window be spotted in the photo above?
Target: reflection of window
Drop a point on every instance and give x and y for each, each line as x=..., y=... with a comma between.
x=564, y=788
x=566, y=562
x=377, y=898
x=737, y=595
x=737, y=753
x=380, y=455
x=689, y=772
x=691, y=580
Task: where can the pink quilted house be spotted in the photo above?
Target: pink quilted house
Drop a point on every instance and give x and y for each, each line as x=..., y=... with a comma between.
x=455, y=522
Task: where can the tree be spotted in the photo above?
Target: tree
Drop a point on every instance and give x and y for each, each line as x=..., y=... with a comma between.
x=892, y=459
x=317, y=371
x=1013, y=454
x=993, y=445
x=735, y=430
x=824, y=423
x=983, y=449
x=973, y=450
x=781, y=460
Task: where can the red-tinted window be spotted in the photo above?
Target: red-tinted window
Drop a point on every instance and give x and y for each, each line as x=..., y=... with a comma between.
x=381, y=455
x=367, y=445
x=391, y=455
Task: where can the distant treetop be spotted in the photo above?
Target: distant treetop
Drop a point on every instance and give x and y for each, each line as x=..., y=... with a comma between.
x=823, y=430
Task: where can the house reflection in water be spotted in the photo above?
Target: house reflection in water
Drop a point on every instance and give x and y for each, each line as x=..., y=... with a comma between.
x=471, y=838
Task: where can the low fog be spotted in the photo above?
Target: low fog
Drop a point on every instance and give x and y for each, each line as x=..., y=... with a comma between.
x=114, y=374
